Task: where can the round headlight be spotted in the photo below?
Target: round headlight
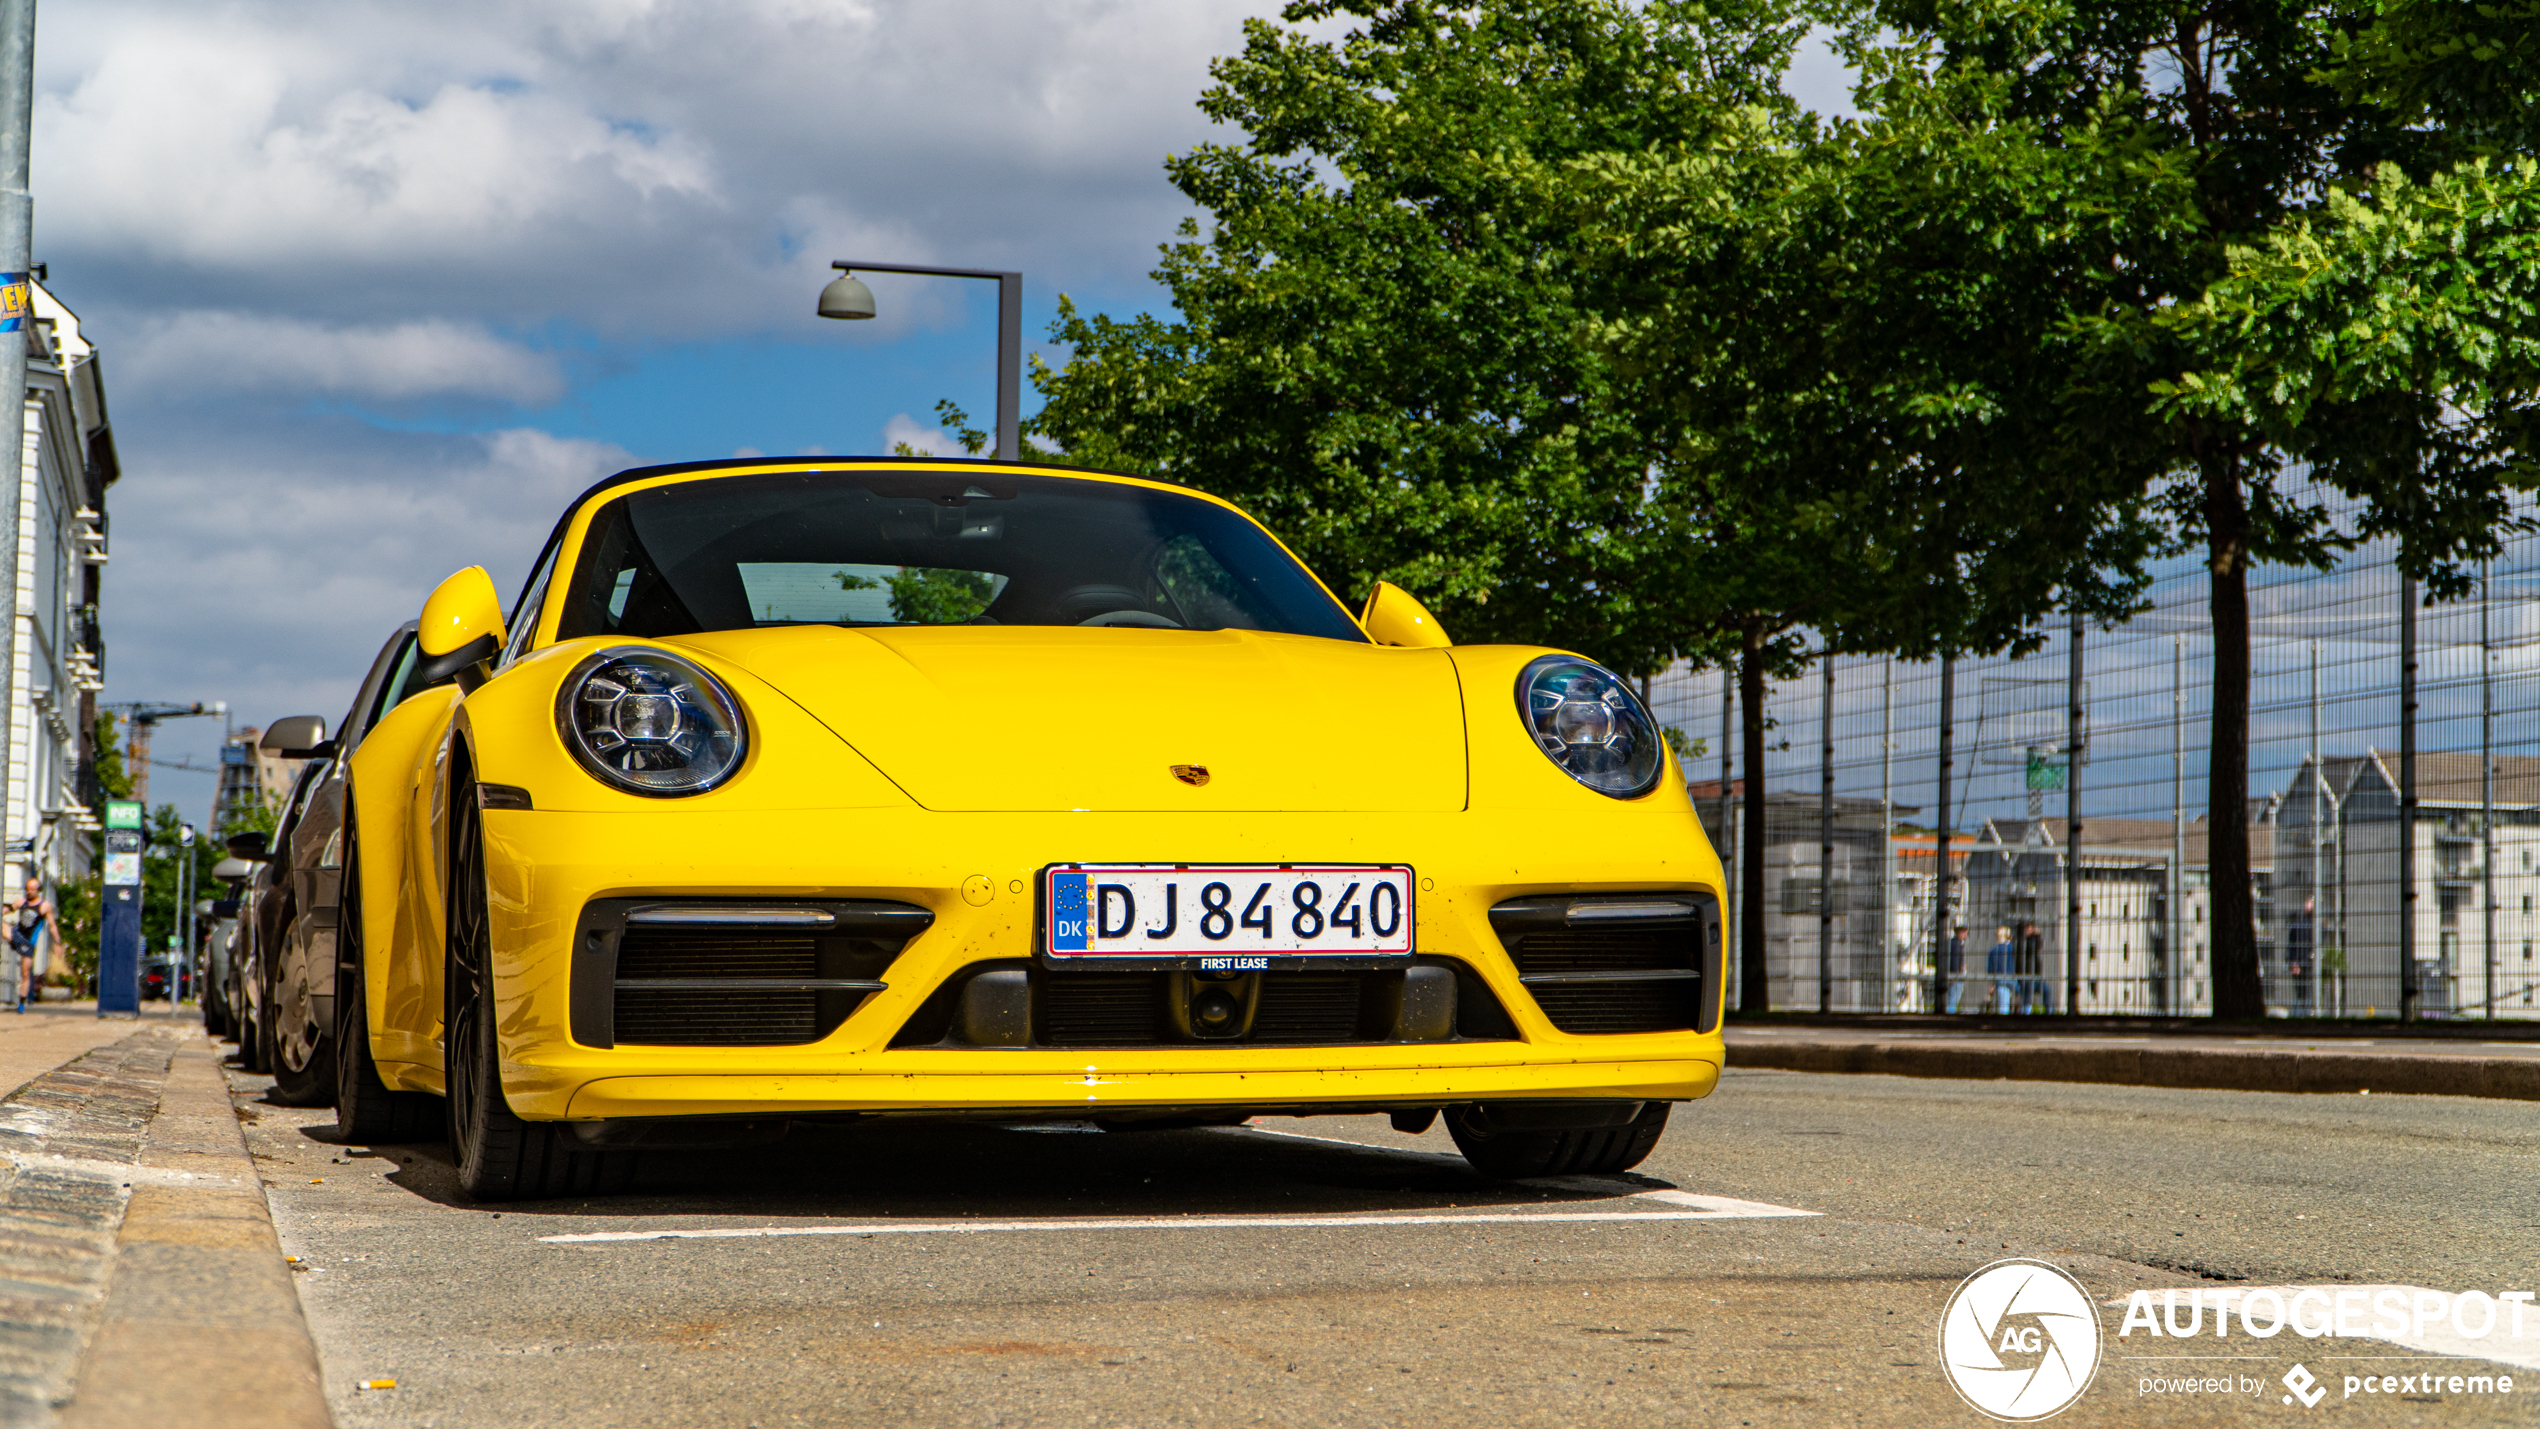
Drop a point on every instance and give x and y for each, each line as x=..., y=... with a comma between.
x=1585, y=719
x=648, y=722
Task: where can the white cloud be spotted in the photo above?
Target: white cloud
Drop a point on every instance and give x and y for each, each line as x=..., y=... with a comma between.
x=270, y=579
x=635, y=169
x=933, y=441
x=215, y=352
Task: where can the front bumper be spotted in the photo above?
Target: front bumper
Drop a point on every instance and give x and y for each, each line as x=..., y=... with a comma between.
x=976, y=873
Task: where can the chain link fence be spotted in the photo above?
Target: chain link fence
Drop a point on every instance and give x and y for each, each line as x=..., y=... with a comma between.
x=2355, y=907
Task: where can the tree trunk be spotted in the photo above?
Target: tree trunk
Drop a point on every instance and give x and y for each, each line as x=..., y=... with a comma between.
x=2233, y=925
x=1754, y=978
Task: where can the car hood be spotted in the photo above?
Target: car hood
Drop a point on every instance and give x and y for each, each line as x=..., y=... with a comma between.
x=1014, y=718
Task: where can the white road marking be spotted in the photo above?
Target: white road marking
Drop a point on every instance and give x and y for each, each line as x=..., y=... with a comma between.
x=1700, y=1208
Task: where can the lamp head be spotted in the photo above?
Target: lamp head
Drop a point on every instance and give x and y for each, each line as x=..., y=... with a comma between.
x=846, y=297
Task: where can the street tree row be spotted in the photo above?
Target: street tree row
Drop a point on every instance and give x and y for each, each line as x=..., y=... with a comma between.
x=1567, y=317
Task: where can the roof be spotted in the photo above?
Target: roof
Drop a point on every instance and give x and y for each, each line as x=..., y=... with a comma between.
x=2447, y=778
x=2152, y=836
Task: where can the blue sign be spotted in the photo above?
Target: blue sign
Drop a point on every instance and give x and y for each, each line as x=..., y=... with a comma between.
x=1067, y=913
x=14, y=301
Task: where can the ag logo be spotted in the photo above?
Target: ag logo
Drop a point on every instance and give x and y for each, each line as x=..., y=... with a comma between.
x=2020, y=1340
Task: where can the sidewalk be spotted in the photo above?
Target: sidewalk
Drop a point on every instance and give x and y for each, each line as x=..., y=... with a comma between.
x=2499, y=1060
x=140, y=1279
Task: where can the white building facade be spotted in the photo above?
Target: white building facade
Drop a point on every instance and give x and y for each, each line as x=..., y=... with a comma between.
x=67, y=461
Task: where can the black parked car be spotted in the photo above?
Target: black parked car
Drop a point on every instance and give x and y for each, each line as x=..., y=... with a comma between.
x=285, y=963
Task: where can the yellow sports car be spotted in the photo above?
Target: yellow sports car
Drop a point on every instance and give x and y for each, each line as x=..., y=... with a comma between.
x=828, y=789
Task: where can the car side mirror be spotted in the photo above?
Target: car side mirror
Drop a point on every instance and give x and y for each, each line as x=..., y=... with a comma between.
x=461, y=629
x=298, y=737
x=1395, y=617
x=248, y=847
x=231, y=870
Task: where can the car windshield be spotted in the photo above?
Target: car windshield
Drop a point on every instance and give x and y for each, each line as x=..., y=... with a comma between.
x=932, y=548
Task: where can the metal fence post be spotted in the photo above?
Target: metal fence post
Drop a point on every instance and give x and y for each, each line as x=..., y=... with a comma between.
x=2073, y=736
x=1825, y=839
x=1940, y=851
x=2409, y=992
x=2486, y=803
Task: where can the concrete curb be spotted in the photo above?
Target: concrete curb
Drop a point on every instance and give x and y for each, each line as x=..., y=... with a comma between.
x=68, y=1143
x=2256, y=1070
x=201, y=1324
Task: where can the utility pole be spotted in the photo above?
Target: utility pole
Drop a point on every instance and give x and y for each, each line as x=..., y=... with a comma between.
x=17, y=311
x=183, y=960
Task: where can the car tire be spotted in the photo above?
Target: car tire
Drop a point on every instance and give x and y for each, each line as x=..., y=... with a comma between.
x=310, y=1084
x=1580, y=1151
x=257, y=1049
x=215, y=1015
x=500, y=1156
x=367, y=1112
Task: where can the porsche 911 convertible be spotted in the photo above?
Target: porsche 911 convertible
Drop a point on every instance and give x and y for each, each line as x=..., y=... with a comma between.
x=830, y=789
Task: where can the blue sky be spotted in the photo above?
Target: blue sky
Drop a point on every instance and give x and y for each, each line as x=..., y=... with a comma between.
x=379, y=286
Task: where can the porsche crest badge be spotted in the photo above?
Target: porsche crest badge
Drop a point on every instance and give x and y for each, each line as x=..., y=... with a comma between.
x=1191, y=774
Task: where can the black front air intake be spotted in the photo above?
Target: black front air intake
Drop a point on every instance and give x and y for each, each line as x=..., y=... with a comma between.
x=1019, y=1003
x=724, y=973
x=1611, y=963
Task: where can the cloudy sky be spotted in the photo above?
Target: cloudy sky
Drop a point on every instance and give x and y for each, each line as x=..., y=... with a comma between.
x=379, y=286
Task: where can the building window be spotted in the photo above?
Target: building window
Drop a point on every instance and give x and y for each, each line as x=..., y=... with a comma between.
x=2526, y=905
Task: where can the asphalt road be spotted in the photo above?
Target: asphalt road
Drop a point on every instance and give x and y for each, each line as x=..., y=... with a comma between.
x=942, y=1275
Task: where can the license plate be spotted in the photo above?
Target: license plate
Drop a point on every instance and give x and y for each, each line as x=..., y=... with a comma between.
x=1224, y=916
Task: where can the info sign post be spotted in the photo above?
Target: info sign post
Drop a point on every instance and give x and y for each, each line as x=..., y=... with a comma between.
x=119, y=930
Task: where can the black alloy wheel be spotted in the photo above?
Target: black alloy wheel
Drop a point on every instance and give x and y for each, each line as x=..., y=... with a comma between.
x=1579, y=1151
x=303, y=1064
x=500, y=1157
x=366, y=1111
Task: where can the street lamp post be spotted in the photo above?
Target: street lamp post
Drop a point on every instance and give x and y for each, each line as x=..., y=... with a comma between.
x=848, y=297
x=184, y=950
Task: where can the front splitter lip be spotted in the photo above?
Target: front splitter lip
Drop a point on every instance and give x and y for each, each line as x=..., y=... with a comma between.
x=1095, y=1089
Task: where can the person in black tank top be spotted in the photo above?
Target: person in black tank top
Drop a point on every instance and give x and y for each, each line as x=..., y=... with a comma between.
x=27, y=916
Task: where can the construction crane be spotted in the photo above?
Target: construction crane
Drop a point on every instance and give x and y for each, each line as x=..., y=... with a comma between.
x=144, y=717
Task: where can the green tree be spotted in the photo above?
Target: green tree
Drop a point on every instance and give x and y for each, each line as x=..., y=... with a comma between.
x=1824, y=332
x=2247, y=125
x=1375, y=344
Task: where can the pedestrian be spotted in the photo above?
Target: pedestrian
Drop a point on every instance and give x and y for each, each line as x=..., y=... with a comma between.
x=29, y=914
x=1998, y=962
x=1957, y=966
x=2032, y=971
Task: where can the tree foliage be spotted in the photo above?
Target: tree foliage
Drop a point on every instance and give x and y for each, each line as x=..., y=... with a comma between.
x=1375, y=340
